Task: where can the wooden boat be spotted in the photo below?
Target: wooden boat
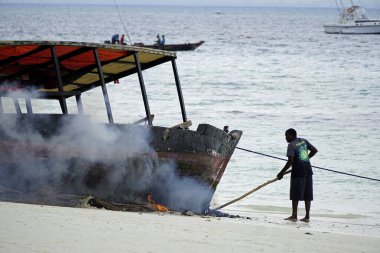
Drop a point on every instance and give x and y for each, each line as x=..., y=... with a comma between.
x=53, y=155
x=168, y=47
x=174, y=47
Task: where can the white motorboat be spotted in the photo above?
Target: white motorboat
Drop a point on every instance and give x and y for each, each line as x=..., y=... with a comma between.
x=353, y=19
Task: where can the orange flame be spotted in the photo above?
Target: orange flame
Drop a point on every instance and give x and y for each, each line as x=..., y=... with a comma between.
x=153, y=205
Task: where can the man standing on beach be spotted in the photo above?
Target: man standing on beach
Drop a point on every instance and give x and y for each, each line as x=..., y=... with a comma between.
x=301, y=181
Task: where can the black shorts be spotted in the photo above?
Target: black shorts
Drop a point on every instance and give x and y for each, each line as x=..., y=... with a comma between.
x=301, y=188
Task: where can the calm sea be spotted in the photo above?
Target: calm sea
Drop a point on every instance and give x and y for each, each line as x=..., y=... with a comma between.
x=261, y=70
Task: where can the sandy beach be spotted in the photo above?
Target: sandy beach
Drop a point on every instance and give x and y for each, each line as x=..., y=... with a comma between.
x=38, y=228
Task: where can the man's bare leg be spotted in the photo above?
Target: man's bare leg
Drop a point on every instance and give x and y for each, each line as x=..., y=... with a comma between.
x=294, y=211
x=307, y=208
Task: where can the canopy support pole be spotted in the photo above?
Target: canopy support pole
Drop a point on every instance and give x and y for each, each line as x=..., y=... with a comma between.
x=79, y=104
x=179, y=91
x=28, y=103
x=17, y=105
x=104, y=88
x=142, y=86
x=62, y=99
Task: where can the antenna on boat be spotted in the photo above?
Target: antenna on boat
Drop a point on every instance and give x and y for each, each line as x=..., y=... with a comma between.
x=337, y=5
x=121, y=19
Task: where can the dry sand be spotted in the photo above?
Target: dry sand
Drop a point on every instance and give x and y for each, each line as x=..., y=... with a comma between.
x=36, y=228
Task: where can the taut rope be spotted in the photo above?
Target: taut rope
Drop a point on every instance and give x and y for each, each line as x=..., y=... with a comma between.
x=321, y=168
x=250, y=192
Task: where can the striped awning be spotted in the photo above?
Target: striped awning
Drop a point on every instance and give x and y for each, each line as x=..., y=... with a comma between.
x=30, y=65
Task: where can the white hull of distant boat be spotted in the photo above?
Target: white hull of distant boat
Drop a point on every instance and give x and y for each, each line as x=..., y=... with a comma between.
x=370, y=28
x=353, y=20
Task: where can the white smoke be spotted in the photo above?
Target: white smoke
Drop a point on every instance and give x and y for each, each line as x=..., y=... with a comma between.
x=73, y=155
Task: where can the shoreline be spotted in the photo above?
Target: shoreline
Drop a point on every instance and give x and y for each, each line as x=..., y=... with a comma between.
x=38, y=228
x=323, y=224
x=349, y=224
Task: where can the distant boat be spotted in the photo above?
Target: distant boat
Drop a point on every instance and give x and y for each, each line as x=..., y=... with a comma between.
x=168, y=47
x=353, y=20
x=173, y=47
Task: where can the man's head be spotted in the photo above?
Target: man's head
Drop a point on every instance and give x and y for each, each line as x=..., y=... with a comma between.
x=290, y=135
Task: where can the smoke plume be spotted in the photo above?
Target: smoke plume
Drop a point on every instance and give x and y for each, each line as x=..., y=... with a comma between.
x=46, y=156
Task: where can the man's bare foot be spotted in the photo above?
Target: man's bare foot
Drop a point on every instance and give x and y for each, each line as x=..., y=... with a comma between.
x=305, y=220
x=291, y=218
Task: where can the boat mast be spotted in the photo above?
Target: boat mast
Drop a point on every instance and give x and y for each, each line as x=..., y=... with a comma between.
x=121, y=20
x=338, y=5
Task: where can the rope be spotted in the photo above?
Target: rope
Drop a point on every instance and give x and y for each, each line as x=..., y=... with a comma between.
x=321, y=168
x=125, y=29
x=275, y=179
x=250, y=192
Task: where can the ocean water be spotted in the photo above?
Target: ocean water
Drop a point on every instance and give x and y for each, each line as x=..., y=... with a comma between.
x=262, y=71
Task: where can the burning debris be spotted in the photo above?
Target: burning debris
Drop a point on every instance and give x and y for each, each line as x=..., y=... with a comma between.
x=215, y=213
x=154, y=206
x=108, y=205
x=49, y=196
x=43, y=196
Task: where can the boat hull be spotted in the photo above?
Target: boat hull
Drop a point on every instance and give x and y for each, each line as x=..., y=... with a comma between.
x=352, y=29
x=181, y=167
x=174, y=47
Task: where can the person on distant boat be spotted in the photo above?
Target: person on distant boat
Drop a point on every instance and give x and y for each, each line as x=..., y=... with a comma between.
x=163, y=40
x=158, y=41
x=301, y=180
x=115, y=39
x=122, y=40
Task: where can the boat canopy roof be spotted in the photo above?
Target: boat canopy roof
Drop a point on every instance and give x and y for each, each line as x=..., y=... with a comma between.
x=32, y=65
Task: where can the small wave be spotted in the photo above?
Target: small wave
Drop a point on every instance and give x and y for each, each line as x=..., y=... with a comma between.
x=319, y=213
x=348, y=216
x=267, y=208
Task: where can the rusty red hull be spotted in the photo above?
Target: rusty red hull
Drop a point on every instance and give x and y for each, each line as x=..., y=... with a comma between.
x=206, y=167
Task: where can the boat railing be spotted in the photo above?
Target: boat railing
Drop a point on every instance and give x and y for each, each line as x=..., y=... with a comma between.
x=183, y=125
x=144, y=120
x=352, y=13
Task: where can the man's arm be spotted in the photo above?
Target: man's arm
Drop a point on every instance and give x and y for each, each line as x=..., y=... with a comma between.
x=313, y=150
x=286, y=167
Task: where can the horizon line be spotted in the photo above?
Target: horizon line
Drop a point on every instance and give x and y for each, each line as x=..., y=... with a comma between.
x=182, y=5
